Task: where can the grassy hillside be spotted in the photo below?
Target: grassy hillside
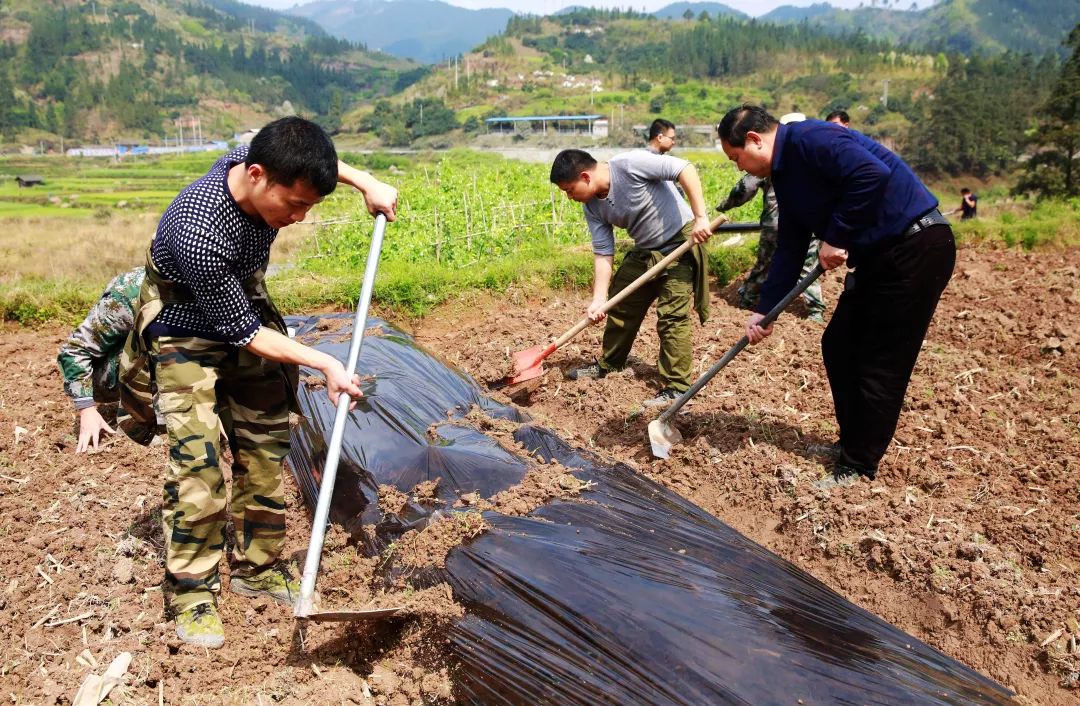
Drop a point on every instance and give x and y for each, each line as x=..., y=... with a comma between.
x=633, y=69
x=127, y=69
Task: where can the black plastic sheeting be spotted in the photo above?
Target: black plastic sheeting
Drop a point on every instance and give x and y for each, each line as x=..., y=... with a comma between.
x=627, y=595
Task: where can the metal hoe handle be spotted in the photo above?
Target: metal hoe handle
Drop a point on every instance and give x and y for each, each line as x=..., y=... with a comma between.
x=743, y=342
x=333, y=453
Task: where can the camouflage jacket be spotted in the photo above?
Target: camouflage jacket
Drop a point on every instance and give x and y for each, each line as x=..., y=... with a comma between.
x=746, y=189
x=88, y=358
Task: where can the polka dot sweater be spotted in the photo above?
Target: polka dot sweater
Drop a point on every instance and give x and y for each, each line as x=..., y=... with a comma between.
x=205, y=241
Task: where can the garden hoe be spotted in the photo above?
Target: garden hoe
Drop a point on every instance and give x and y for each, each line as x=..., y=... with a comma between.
x=662, y=433
x=528, y=364
x=305, y=607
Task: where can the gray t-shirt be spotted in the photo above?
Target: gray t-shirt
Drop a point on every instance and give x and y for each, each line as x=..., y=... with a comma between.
x=641, y=199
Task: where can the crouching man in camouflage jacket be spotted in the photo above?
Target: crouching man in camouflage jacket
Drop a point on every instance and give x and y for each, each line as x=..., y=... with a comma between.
x=222, y=362
x=88, y=358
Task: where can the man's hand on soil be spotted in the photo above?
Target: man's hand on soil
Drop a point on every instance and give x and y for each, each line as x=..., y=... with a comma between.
x=91, y=426
x=754, y=332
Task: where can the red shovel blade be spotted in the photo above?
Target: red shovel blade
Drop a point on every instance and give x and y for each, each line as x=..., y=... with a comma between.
x=527, y=359
x=528, y=364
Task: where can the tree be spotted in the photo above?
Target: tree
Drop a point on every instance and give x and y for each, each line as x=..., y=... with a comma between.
x=1053, y=168
x=974, y=124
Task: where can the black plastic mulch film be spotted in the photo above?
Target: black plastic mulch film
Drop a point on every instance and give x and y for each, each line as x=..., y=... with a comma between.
x=630, y=595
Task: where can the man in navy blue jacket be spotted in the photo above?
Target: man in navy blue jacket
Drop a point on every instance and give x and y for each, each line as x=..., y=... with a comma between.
x=874, y=215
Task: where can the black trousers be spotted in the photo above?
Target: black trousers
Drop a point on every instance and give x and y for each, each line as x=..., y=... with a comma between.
x=874, y=337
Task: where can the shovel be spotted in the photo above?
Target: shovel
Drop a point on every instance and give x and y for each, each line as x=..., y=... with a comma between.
x=305, y=607
x=662, y=434
x=528, y=363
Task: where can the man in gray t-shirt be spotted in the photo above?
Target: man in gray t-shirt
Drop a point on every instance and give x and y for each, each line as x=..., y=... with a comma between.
x=633, y=191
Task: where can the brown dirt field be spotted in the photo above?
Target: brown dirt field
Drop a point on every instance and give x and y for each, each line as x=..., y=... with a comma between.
x=968, y=539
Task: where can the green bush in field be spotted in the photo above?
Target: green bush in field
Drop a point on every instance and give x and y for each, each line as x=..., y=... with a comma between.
x=1054, y=223
x=469, y=220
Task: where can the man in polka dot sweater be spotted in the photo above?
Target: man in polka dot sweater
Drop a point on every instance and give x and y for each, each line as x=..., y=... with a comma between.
x=222, y=362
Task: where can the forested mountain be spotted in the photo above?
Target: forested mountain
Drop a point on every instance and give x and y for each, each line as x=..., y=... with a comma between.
x=112, y=69
x=423, y=30
x=944, y=110
x=964, y=26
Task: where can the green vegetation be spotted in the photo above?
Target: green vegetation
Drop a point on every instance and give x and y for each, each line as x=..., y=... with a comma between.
x=1054, y=166
x=75, y=185
x=949, y=113
x=977, y=120
x=952, y=26
x=472, y=221
x=467, y=221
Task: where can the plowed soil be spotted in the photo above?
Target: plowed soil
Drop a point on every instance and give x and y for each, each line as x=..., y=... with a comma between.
x=967, y=539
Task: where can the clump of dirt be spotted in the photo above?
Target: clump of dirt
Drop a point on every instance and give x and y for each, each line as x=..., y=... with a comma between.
x=313, y=382
x=479, y=419
x=325, y=327
x=391, y=499
x=425, y=492
x=427, y=548
x=414, y=672
x=537, y=488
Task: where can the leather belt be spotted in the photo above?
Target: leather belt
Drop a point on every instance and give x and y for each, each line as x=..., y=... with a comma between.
x=933, y=218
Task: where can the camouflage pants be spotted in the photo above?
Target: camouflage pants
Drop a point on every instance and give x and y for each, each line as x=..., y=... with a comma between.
x=206, y=388
x=750, y=289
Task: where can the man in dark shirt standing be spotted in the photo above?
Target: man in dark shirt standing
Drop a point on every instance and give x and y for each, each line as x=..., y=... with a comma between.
x=872, y=213
x=223, y=362
x=969, y=204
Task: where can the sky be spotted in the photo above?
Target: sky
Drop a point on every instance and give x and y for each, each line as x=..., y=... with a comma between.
x=546, y=7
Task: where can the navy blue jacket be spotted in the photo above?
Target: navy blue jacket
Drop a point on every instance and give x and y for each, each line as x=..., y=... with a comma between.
x=841, y=185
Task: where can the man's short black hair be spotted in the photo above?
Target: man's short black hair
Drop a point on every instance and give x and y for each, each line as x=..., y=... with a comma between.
x=746, y=118
x=660, y=127
x=569, y=164
x=293, y=148
x=965, y=190
x=841, y=114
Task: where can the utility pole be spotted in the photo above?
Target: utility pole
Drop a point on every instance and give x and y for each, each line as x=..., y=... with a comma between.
x=455, y=73
x=885, y=94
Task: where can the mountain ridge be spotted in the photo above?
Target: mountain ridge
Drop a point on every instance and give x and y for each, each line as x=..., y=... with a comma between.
x=423, y=30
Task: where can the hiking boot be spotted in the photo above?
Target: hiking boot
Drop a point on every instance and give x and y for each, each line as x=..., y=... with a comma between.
x=841, y=477
x=663, y=398
x=201, y=626
x=275, y=582
x=592, y=370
